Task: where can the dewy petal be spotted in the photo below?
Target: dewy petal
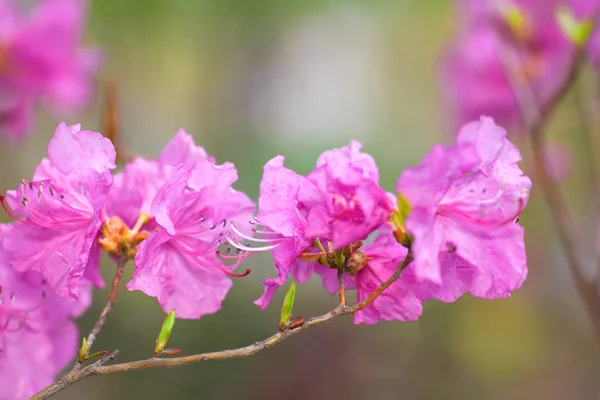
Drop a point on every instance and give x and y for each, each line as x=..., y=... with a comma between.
x=178, y=280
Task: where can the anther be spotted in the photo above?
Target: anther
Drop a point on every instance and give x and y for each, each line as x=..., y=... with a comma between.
x=212, y=227
x=223, y=222
x=24, y=201
x=52, y=191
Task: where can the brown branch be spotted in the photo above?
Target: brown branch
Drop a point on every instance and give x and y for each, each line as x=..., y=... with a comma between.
x=536, y=118
x=110, y=303
x=99, y=368
x=342, y=291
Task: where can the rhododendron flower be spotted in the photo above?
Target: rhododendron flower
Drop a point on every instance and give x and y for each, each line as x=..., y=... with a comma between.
x=192, y=206
x=41, y=58
x=338, y=203
x=58, y=211
x=465, y=203
x=399, y=302
x=509, y=54
x=37, y=336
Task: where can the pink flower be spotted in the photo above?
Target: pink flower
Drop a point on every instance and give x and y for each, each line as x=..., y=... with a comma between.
x=178, y=262
x=41, y=58
x=399, y=302
x=60, y=211
x=37, y=336
x=338, y=203
x=520, y=35
x=465, y=202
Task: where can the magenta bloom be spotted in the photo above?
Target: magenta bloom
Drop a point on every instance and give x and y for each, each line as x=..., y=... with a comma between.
x=59, y=211
x=37, y=336
x=339, y=202
x=41, y=59
x=465, y=203
x=522, y=34
x=195, y=203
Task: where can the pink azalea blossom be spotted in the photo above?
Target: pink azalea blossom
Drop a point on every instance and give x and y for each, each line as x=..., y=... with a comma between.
x=465, y=203
x=59, y=211
x=192, y=209
x=339, y=202
x=41, y=58
x=521, y=36
x=37, y=336
x=399, y=302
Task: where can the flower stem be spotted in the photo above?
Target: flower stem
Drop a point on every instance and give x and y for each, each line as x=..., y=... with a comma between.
x=99, y=368
x=110, y=303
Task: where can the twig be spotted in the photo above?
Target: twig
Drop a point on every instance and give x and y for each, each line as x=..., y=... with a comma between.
x=110, y=303
x=342, y=292
x=99, y=368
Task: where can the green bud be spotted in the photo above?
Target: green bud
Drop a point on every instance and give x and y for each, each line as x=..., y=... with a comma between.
x=286, y=309
x=83, y=351
x=165, y=332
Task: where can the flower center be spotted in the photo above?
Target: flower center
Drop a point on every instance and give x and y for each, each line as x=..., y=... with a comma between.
x=119, y=240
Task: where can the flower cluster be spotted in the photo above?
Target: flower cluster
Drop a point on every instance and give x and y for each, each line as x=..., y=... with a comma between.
x=41, y=59
x=509, y=54
x=173, y=216
x=37, y=335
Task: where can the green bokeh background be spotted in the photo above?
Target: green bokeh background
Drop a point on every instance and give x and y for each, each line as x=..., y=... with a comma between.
x=250, y=79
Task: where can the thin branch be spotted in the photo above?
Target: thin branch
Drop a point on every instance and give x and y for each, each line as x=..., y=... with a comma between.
x=536, y=118
x=110, y=303
x=99, y=368
x=342, y=291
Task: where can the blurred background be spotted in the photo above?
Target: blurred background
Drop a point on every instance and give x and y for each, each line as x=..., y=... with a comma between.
x=254, y=78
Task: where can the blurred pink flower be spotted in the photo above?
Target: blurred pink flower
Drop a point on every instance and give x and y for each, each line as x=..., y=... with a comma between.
x=37, y=336
x=466, y=200
x=59, y=211
x=521, y=36
x=41, y=58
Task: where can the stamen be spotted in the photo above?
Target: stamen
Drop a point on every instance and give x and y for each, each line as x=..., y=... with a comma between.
x=247, y=248
x=240, y=234
x=233, y=275
x=224, y=222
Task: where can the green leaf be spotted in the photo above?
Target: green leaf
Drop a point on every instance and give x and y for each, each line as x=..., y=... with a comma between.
x=404, y=208
x=165, y=332
x=83, y=351
x=576, y=31
x=288, y=304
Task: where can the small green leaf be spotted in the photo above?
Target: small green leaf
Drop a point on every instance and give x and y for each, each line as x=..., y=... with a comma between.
x=576, y=31
x=165, y=332
x=83, y=351
x=404, y=208
x=288, y=304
